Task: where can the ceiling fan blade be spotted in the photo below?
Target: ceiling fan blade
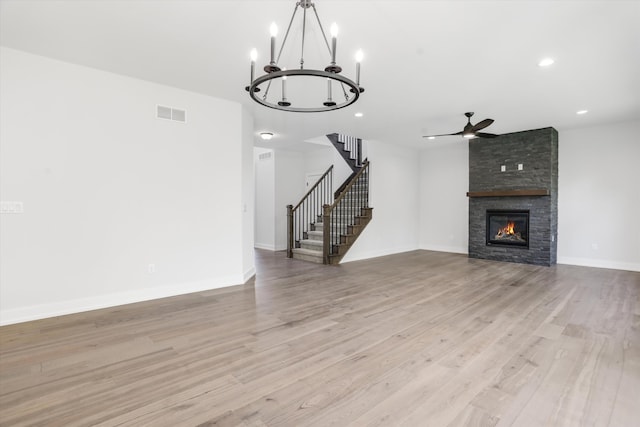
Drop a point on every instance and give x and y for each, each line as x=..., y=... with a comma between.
x=486, y=135
x=446, y=134
x=481, y=125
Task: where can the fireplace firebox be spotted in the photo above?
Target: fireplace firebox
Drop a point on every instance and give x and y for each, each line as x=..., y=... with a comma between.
x=508, y=228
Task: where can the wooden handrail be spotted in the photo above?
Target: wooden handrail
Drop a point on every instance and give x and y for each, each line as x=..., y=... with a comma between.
x=331, y=231
x=306, y=213
x=351, y=182
x=313, y=188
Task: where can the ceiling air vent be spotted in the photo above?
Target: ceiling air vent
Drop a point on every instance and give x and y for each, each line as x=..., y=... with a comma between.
x=264, y=156
x=169, y=113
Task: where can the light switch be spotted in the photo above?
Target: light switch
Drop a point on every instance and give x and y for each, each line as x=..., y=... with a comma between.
x=7, y=207
x=520, y=166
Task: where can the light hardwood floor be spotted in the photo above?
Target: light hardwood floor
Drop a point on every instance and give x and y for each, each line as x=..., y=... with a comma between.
x=415, y=339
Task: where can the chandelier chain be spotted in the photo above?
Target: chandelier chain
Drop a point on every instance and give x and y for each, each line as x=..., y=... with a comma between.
x=346, y=97
x=284, y=40
x=324, y=36
x=304, y=28
x=286, y=34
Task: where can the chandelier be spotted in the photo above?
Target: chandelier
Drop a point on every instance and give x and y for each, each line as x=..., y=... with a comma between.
x=270, y=89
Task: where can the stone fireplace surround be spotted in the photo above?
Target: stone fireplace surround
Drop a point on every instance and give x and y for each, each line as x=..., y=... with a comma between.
x=534, y=188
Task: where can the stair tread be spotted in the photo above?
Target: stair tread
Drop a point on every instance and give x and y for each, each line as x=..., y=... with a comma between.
x=307, y=251
x=311, y=242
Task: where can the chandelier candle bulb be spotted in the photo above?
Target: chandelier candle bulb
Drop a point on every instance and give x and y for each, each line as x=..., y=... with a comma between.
x=274, y=32
x=334, y=38
x=359, y=56
x=254, y=56
x=284, y=88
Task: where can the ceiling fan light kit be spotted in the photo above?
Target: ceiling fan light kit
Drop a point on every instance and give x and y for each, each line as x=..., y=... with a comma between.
x=259, y=88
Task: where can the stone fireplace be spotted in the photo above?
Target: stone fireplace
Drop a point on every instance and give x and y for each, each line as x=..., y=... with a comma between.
x=513, y=197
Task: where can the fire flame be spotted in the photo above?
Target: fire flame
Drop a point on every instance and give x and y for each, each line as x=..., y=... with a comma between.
x=508, y=229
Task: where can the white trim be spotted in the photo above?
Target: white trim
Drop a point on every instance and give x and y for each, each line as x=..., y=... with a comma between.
x=599, y=263
x=450, y=249
x=248, y=274
x=264, y=246
x=41, y=311
x=376, y=254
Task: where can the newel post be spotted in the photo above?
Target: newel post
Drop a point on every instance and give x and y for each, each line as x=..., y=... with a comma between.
x=326, y=233
x=289, y=231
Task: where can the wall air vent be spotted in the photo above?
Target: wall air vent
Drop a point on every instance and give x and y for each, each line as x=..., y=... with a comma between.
x=265, y=156
x=169, y=113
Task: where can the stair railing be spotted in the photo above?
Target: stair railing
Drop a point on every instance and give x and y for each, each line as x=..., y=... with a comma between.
x=337, y=217
x=350, y=148
x=308, y=210
x=354, y=146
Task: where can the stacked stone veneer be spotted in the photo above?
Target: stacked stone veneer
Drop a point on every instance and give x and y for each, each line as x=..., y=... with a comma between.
x=537, y=151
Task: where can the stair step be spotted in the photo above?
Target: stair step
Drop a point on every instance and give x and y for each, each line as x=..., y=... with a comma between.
x=314, y=245
x=315, y=235
x=339, y=227
x=308, y=255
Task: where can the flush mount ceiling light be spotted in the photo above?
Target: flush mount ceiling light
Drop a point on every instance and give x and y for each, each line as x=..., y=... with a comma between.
x=546, y=62
x=304, y=80
x=358, y=114
x=581, y=112
x=266, y=135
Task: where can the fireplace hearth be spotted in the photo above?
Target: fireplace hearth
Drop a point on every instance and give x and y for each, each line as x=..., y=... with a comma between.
x=508, y=228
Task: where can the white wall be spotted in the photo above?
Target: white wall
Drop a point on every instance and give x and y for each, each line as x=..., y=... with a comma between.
x=289, y=189
x=319, y=160
x=109, y=189
x=265, y=232
x=599, y=196
x=248, y=197
x=394, y=196
x=444, y=206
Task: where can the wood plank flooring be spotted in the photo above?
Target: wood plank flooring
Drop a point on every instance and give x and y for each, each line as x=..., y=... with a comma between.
x=415, y=339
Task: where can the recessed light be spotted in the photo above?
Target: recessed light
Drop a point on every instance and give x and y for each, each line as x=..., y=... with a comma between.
x=545, y=62
x=358, y=114
x=581, y=112
x=431, y=137
x=266, y=135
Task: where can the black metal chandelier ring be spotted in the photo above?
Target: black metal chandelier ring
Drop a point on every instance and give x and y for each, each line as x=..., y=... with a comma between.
x=268, y=78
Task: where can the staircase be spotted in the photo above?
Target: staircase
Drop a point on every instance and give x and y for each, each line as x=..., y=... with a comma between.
x=322, y=227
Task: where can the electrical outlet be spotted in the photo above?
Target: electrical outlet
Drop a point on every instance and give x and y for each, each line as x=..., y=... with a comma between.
x=503, y=168
x=520, y=166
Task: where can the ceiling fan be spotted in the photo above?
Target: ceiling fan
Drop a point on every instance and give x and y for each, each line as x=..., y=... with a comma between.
x=471, y=131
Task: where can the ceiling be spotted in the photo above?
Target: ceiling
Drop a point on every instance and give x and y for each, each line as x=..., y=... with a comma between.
x=426, y=62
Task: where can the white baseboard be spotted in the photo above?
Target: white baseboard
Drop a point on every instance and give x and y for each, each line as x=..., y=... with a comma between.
x=451, y=249
x=599, y=263
x=376, y=254
x=264, y=246
x=41, y=311
x=248, y=274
